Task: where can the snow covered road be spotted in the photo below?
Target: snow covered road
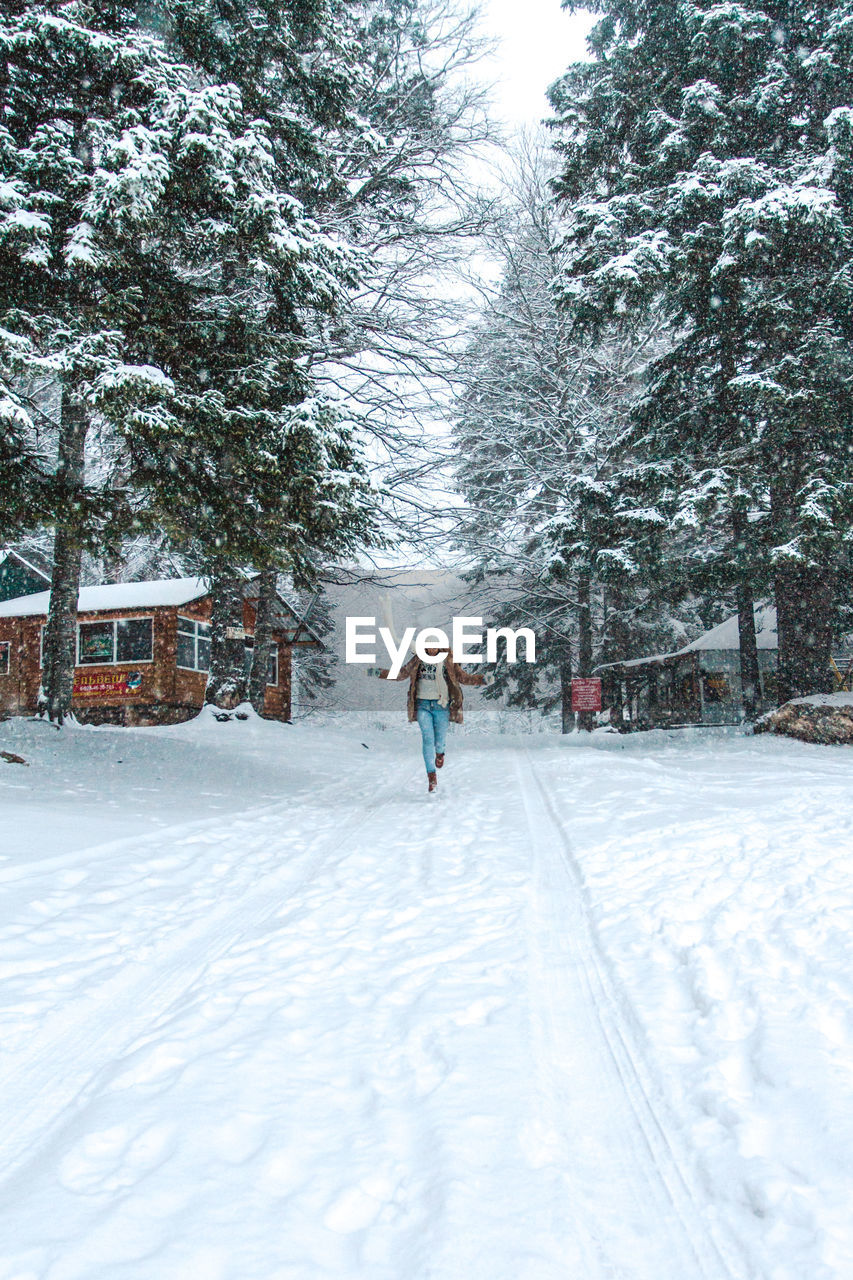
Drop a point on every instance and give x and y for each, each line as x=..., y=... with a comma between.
x=350, y=1031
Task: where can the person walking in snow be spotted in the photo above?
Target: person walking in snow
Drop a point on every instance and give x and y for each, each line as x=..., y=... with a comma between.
x=435, y=698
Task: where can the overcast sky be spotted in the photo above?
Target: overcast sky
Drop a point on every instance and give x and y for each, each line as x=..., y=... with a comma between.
x=538, y=41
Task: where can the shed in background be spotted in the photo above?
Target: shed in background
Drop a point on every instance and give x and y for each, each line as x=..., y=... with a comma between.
x=697, y=684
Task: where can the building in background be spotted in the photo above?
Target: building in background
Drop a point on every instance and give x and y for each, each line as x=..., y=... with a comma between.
x=397, y=598
x=697, y=684
x=143, y=651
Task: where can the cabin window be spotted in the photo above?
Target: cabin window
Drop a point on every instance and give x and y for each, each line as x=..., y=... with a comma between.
x=117, y=641
x=95, y=642
x=4, y=657
x=716, y=686
x=134, y=640
x=193, y=644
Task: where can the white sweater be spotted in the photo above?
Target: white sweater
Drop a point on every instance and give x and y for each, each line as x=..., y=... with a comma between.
x=432, y=682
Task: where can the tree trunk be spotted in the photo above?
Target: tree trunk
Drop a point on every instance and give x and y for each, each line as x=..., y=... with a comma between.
x=286, y=680
x=615, y=633
x=749, y=677
x=263, y=637
x=804, y=598
x=60, y=635
x=567, y=716
x=112, y=566
x=586, y=719
x=227, y=685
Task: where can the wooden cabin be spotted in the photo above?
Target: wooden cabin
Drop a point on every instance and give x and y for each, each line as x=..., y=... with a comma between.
x=698, y=684
x=143, y=651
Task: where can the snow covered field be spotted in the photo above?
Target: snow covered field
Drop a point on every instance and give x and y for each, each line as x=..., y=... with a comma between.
x=270, y=1013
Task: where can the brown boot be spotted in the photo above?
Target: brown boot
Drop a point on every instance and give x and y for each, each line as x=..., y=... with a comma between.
x=439, y=759
x=432, y=780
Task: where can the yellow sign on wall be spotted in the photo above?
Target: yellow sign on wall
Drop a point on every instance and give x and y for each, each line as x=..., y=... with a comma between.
x=113, y=684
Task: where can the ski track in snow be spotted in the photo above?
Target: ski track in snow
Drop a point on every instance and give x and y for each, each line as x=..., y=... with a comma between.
x=357, y=1034
x=722, y=892
x=651, y=1222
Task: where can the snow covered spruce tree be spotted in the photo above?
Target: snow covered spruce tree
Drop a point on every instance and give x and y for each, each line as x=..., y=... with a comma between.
x=79, y=88
x=268, y=473
x=706, y=157
x=160, y=250
x=540, y=422
x=366, y=133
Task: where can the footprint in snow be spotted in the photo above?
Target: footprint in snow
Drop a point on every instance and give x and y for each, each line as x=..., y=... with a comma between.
x=358, y=1207
x=240, y=1137
x=115, y=1158
x=155, y=1069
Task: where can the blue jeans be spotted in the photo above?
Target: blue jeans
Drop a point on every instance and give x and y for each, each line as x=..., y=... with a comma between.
x=433, y=719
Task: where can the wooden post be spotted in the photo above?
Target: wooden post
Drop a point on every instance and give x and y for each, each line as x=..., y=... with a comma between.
x=586, y=719
x=567, y=715
x=263, y=639
x=698, y=690
x=285, y=676
x=60, y=636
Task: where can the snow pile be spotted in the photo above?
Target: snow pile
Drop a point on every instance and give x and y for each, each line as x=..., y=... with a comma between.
x=822, y=717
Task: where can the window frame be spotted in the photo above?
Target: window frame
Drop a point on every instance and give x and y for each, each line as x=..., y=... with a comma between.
x=6, y=651
x=125, y=662
x=194, y=635
x=115, y=661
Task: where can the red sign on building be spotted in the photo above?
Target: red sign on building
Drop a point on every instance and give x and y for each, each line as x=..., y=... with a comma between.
x=94, y=684
x=586, y=693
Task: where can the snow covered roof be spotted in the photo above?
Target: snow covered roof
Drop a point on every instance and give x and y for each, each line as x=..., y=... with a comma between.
x=724, y=636
x=113, y=595
x=150, y=595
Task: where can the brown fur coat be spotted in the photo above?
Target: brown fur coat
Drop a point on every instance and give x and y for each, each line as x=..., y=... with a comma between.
x=455, y=676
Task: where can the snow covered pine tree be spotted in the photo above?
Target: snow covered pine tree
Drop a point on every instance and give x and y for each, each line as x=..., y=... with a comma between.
x=540, y=426
x=152, y=246
x=707, y=157
x=76, y=89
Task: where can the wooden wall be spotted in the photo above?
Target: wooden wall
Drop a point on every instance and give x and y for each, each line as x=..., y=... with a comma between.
x=166, y=694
